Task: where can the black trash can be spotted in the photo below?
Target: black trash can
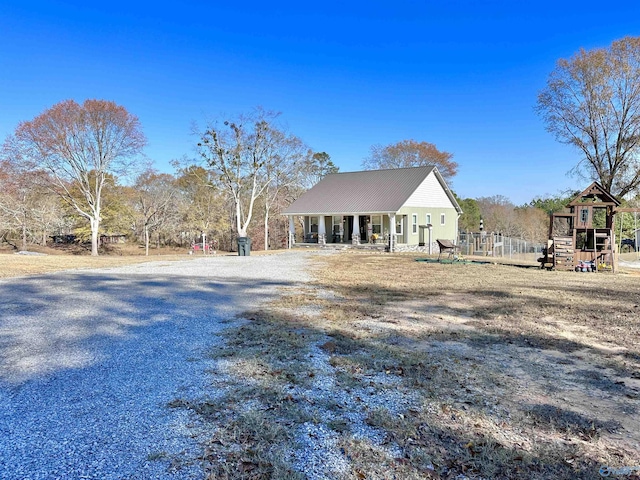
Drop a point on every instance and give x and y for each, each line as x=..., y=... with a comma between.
x=244, y=246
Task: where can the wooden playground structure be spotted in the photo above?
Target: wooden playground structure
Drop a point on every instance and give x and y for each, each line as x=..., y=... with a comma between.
x=582, y=237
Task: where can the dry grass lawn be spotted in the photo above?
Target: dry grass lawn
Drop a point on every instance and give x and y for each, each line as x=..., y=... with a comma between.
x=53, y=260
x=385, y=367
x=12, y=265
x=542, y=368
x=405, y=369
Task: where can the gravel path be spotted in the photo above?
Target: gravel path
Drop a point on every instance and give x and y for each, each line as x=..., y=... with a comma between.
x=89, y=360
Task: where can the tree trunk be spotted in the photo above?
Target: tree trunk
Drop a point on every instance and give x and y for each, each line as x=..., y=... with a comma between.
x=24, y=232
x=242, y=229
x=266, y=228
x=95, y=224
x=146, y=240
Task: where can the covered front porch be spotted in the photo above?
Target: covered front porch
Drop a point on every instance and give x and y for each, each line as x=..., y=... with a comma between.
x=348, y=229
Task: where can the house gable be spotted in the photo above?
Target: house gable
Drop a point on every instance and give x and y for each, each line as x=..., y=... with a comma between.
x=430, y=193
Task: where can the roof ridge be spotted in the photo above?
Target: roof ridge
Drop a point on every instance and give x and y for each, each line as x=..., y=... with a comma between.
x=385, y=169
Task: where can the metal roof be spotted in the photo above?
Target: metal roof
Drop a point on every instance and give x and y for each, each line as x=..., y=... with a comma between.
x=371, y=191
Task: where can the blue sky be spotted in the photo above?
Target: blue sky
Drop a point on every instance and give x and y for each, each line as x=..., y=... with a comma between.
x=463, y=75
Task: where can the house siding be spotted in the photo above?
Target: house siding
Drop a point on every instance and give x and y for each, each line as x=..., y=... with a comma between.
x=448, y=231
x=430, y=192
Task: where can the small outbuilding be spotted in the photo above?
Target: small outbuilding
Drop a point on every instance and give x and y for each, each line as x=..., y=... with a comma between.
x=404, y=208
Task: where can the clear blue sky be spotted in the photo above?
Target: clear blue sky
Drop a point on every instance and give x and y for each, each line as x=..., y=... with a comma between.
x=463, y=75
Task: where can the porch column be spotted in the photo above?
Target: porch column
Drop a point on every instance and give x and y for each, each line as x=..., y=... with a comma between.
x=430, y=239
x=292, y=231
x=322, y=231
x=355, y=234
x=392, y=232
x=341, y=228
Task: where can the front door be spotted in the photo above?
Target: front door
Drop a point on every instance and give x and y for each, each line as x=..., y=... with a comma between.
x=348, y=227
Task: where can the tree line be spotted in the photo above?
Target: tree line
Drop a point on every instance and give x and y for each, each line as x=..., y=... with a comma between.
x=76, y=168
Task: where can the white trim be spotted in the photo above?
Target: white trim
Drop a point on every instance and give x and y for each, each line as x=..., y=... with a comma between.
x=414, y=223
x=442, y=219
x=346, y=214
x=427, y=217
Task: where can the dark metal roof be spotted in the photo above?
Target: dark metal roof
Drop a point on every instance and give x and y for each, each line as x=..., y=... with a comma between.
x=371, y=191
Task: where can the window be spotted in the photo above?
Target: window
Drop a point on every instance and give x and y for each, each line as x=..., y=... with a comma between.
x=314, y=224
x=428, y=219
x=399, y=225
x=376, y=224
x=414, y=223
x=584, y=215
x=442, y=219
x=337, y=224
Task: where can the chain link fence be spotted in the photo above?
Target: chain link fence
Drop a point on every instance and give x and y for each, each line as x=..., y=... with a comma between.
x=496, y=245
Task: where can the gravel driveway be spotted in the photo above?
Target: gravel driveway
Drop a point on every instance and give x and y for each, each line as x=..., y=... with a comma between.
x=89, y=360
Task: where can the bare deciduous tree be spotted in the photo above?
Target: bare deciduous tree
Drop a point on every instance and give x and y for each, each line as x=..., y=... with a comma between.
x=533, y=224
x=28, y=210
x=281, y=171
x=235, y=151
x=498, y=215
x=16, y=202
x=154, y=201
x=243, y=153
x=79, y=145
x=592, y=101
x=204, y=205
x=410, y=153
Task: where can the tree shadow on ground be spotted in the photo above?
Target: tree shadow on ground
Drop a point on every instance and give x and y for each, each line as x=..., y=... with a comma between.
x=435, y=420
x=54, y=322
